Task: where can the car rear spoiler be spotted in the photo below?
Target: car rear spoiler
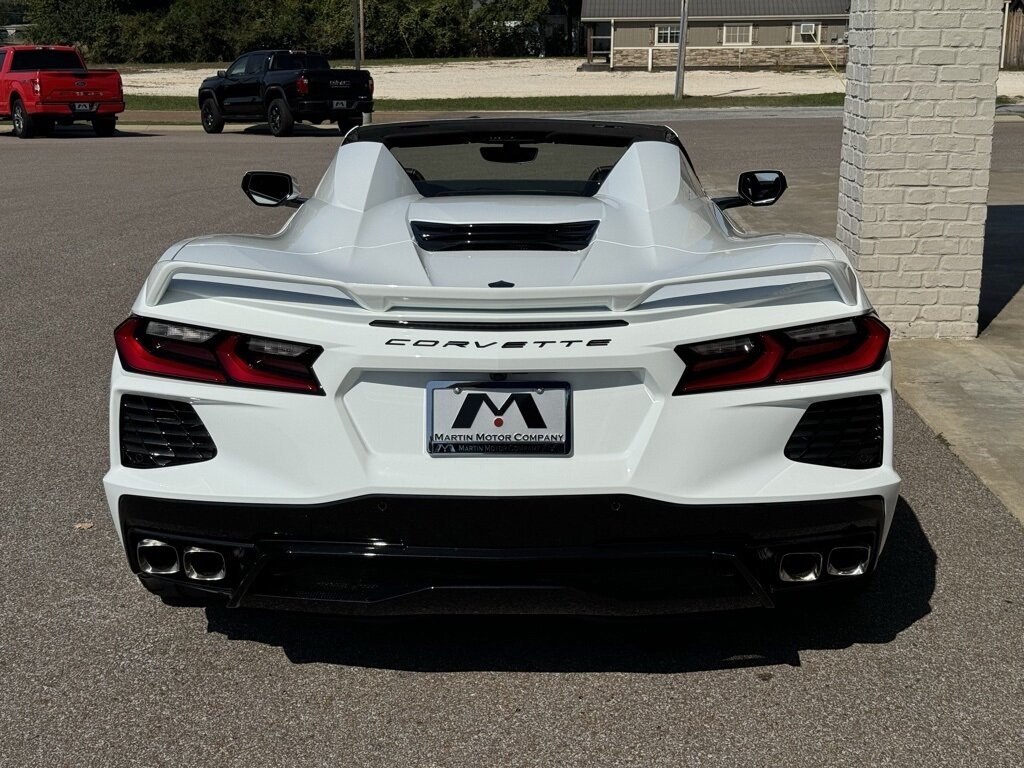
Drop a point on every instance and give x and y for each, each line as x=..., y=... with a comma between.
x=616, y=297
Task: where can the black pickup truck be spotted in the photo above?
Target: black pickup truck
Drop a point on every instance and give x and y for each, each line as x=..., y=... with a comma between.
x=282, y=87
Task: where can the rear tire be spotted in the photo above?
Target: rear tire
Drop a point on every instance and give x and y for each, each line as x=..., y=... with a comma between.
x=104, y=126
x=24, y=125
x=213, y=120
x=280, y=118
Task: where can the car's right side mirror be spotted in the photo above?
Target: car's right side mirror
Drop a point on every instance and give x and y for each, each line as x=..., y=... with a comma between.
x=271, y=189
x=756, y=188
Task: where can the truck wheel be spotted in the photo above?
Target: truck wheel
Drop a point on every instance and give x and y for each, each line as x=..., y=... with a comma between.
x=280, y=118
x=24, y=125
x=346, y=124
x=104, y=126
x=213, y=120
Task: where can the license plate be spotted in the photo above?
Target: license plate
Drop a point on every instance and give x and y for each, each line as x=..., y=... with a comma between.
x=483, y=419
x=339, y=105
x=82, y=106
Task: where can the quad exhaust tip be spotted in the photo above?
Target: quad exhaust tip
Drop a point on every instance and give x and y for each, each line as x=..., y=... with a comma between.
x=800, y=566
x=848, y=561
x=157, y=557
x=204, y=564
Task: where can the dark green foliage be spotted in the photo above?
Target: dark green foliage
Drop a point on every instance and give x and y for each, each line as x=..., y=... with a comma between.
x=219, y=30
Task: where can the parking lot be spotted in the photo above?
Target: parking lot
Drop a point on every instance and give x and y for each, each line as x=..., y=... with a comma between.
x=923, y=669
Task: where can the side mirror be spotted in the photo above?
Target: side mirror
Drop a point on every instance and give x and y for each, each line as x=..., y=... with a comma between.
x=271, y=189
x=222, y=73
x=756, y=188
x=761, y=187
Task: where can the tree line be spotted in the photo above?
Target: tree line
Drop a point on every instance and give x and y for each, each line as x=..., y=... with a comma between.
x=219, y=30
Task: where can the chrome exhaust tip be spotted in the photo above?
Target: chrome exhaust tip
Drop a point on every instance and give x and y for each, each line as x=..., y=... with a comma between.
x=800, y=566
x=204, y=564
x=849, y=561
x=157, y=557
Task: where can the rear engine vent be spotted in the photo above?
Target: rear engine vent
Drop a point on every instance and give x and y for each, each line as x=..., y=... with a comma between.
x=844, y=433
x=569, y=236
x=162, y=433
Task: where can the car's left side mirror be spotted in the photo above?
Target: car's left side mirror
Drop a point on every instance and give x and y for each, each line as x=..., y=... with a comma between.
x=756, y=188
x=271, y=189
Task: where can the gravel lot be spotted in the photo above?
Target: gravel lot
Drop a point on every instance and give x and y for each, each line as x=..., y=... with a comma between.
x=923, y=670
x=543, y=77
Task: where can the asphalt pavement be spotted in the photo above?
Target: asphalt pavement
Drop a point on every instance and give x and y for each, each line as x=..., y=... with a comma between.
x=923, y=669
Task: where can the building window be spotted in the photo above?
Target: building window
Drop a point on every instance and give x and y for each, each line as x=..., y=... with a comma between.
x=806, y=33
x=667, y=35
x=737, y=34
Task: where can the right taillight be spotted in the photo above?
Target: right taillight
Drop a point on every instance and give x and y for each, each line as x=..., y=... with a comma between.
x=805, y=353
x=160, y=348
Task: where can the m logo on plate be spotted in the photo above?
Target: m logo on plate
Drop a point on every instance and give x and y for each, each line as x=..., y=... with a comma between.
x=474, y=401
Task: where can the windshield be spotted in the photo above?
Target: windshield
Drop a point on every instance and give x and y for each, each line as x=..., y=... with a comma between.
x=511, y=167
x=31, y=61
x=299, y=61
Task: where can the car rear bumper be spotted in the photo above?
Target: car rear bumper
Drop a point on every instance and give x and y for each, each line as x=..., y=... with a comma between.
x=67, y=110
x=326, y=107
x=594, y=554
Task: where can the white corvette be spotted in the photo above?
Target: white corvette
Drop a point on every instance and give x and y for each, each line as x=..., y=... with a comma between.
x=502, y=365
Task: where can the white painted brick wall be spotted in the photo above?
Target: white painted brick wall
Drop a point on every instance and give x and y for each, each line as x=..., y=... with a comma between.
x=917, y=146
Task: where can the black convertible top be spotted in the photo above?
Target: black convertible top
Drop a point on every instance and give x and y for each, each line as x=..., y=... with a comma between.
x=500, y=130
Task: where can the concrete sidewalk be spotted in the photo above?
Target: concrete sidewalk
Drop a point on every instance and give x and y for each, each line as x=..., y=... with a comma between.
x=971, y=393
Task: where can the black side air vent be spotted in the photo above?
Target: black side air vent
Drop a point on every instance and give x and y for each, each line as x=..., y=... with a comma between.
x=844, y=433
x=162, y=433
x=568, y=236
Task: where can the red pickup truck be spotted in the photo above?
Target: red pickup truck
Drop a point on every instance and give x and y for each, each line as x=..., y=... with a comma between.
x=44, y=86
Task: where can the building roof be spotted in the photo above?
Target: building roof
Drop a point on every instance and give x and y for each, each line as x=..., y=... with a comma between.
x=714, y=9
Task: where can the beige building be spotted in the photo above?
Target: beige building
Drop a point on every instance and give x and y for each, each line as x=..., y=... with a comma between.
x=644, y=34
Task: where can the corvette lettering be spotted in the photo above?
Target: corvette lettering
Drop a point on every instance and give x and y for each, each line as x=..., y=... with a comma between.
x=564, y=343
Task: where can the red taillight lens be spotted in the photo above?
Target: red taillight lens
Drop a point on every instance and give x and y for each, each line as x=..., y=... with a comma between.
x=35, y=86
x=839, y=348
x=302, y=85
x=218, y=357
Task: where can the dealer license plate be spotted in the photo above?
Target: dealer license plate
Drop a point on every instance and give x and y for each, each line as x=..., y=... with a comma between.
x=83, y=106
x=481, y=418
x=339, y=104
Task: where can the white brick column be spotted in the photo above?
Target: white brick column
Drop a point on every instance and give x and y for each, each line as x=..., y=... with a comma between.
x=917, y=145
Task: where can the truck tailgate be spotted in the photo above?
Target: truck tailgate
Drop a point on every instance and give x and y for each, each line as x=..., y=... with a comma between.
x=71, y=85
x=339, y=84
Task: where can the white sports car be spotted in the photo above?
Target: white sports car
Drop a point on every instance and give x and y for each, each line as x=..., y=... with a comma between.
x=502, y=366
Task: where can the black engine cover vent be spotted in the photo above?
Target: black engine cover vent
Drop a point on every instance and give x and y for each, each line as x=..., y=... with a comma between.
x=162, y=433
x=844, y=433
x=567, y=236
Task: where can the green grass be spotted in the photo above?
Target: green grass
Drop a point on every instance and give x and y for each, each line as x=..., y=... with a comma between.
x=539, y=103
x=602, y=103
x=162, y=103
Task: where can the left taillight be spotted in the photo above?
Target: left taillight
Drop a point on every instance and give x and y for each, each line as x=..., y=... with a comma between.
x=809, y=352
x=302, y=85
x=189, y=352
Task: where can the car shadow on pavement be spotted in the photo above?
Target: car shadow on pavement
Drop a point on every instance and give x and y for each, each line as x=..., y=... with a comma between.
x=326, y=131
x=78, y=132
x=898, y=596
x=1002, y=270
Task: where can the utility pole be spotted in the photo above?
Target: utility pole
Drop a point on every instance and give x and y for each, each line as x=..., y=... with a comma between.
x=357, y=33
x=680, y=61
